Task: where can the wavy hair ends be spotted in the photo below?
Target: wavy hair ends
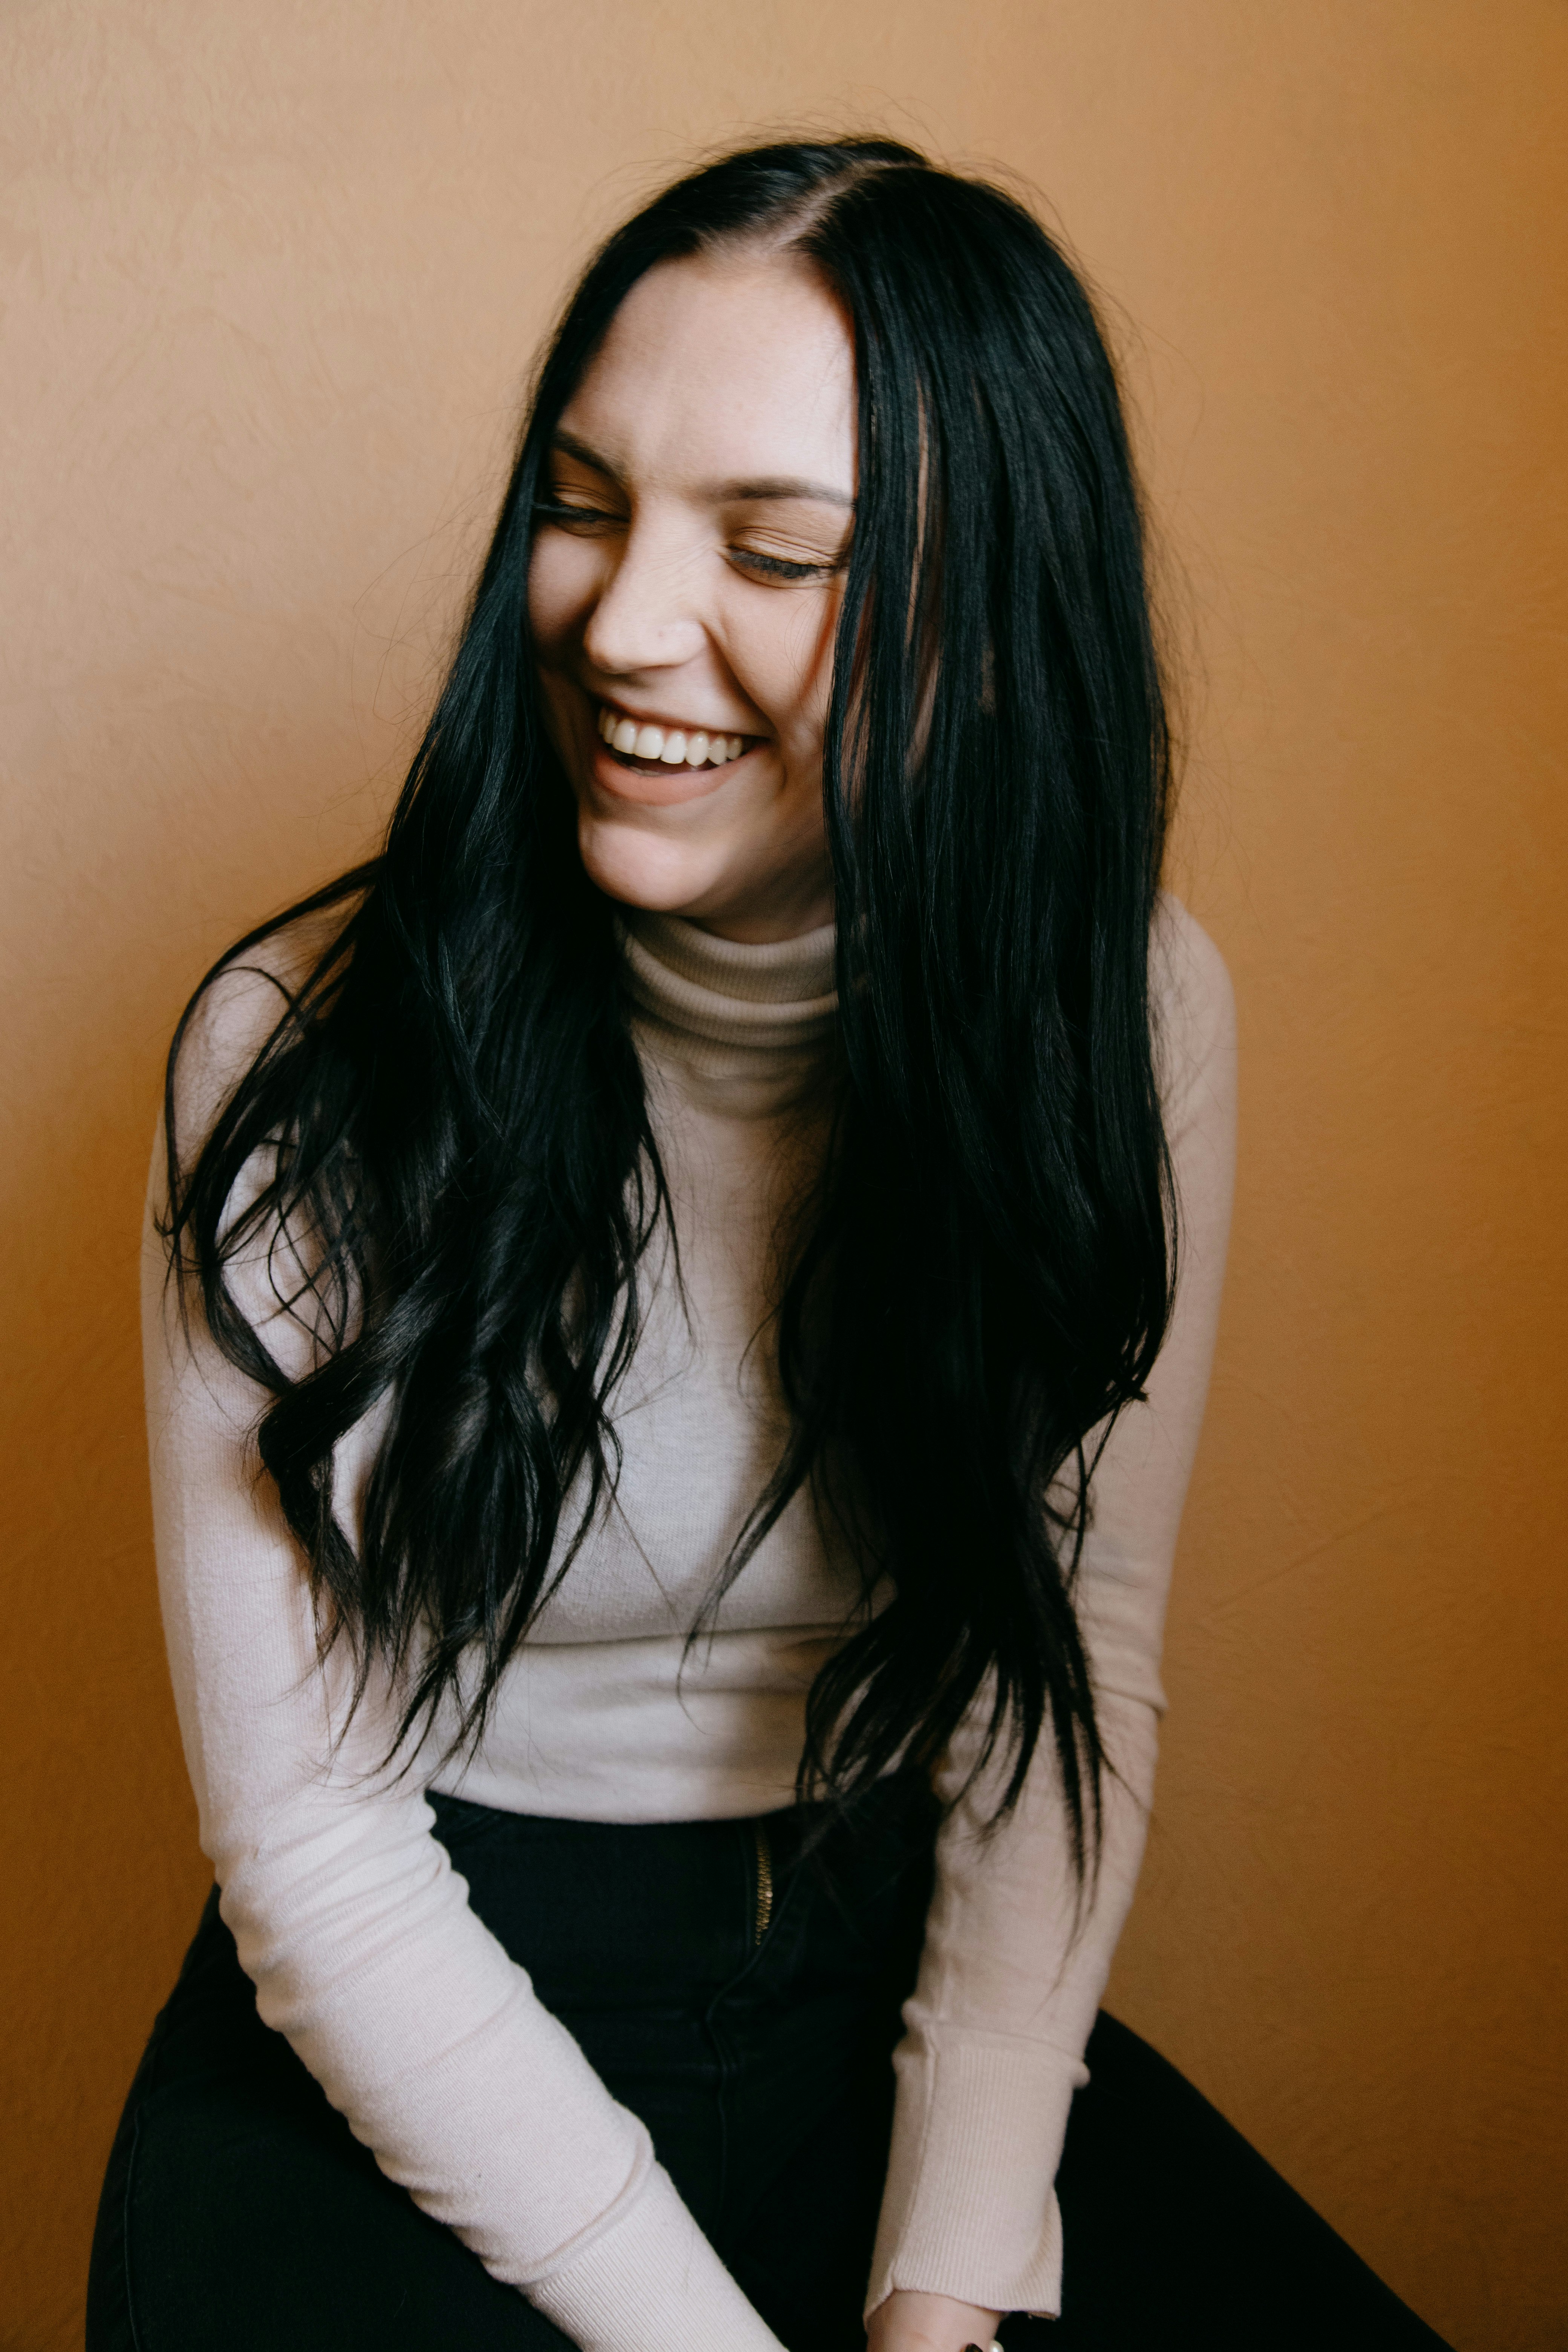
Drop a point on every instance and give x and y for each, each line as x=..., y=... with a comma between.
x=988, y=1269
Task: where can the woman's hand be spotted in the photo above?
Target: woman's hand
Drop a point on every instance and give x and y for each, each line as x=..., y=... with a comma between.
x=907, y=2322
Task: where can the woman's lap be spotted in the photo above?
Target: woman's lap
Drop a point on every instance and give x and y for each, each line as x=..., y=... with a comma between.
x=239, y=2209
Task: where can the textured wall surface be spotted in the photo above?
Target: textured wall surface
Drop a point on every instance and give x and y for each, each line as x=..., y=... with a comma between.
x=271, y=278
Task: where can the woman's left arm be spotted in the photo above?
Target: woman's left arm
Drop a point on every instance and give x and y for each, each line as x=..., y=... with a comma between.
x=1014, y=1960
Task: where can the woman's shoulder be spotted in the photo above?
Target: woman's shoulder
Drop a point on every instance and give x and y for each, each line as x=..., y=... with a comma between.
x=238, y=1008
x=1194, y=1006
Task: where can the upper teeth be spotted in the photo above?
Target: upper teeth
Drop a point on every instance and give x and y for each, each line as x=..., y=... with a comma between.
x=671, y=744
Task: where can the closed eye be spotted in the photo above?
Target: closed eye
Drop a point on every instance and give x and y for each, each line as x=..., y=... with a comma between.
x=568, y=514
x=781, y=567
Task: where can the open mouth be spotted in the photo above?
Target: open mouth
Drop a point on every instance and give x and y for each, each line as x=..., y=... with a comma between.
x=655, y=750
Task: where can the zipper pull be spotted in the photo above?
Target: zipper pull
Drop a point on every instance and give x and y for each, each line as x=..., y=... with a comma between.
x=765, y=1911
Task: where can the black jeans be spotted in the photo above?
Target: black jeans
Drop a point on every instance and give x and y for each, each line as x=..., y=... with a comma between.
x=238, y=2210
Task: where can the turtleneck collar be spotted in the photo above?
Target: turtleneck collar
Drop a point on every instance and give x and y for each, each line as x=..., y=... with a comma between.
x=749, y=1027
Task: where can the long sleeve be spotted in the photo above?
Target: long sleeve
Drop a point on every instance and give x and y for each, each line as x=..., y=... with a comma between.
x=346, y=1911
x=1013, y=1965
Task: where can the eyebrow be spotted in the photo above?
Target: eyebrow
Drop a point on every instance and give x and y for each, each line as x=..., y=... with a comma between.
x=753, y=492
x=781, y=486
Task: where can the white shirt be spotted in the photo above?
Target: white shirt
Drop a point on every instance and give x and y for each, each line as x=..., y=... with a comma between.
x=346, y=1911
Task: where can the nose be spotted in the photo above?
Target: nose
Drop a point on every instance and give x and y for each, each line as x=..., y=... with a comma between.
x=645, y=614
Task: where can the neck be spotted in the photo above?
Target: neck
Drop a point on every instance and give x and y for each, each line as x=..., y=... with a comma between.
x=770, y=926
x=749, y=1024
x=790, y=906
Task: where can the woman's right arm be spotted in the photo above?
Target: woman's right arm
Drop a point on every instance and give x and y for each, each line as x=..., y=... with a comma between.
x=347, y=1913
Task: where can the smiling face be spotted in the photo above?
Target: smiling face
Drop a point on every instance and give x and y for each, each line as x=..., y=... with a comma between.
x=685, y=585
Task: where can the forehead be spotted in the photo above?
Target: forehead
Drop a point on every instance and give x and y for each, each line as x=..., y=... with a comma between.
x=720, y=370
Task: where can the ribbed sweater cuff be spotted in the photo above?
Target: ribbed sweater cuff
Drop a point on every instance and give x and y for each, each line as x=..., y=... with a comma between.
x=651, y=2283
x=970, y=2209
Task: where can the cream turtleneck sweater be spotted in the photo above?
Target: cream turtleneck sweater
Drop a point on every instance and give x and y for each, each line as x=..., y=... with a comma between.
x=346, y=1911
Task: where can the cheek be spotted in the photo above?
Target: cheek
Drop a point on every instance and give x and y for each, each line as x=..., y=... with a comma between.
x=787, y=671
x=560, y=591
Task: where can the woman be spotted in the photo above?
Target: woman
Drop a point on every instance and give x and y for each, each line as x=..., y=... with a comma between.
x=718, y=1235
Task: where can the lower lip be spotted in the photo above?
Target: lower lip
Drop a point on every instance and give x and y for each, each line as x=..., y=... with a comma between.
x=677, y=784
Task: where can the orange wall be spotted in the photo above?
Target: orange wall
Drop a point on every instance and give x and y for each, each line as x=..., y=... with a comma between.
x=271, y=279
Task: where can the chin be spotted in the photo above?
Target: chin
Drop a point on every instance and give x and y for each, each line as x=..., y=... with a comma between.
x=640, y=870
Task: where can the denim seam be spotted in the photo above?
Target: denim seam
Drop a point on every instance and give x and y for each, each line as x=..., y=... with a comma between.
x=137, y=2344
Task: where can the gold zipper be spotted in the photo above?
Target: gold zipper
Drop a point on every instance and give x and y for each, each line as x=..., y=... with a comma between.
x=764, y=1882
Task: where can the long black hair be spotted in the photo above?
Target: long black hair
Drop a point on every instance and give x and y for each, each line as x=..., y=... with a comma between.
x=452, y=1106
